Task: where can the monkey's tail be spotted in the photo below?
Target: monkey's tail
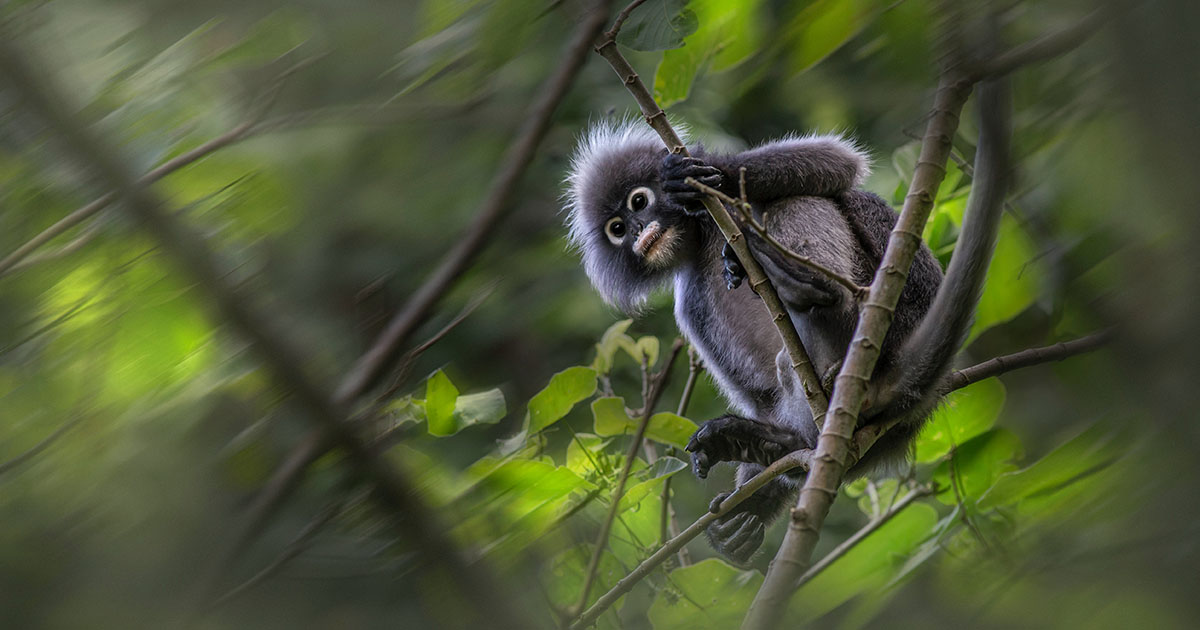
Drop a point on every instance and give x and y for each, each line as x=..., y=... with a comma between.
x=929, y=351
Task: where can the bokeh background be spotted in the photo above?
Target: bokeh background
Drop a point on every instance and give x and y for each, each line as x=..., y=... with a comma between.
x=136, y=427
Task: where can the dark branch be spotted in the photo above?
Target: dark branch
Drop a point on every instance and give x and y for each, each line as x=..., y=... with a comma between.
x=1025, y=358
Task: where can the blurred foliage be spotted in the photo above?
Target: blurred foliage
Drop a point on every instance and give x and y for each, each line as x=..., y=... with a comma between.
x=1065, y=494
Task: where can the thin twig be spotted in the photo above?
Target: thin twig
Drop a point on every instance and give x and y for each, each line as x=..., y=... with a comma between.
x=798, y=459
x=1025, y=358
x=297, y=546
x=652, y=391
x=1046, y=47
x=32, y=452
x=745, y=210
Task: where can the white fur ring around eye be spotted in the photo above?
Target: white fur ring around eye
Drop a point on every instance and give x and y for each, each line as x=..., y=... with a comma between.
x=640, y=198
x=615, y=230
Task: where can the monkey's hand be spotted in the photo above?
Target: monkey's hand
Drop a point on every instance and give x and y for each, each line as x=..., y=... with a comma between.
x=734, y=273
x=735, y=439
x=673, y=173
x=738, y=533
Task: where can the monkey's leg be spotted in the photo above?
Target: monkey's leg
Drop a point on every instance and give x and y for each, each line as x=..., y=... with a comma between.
x=739, y=533
x=736, y=439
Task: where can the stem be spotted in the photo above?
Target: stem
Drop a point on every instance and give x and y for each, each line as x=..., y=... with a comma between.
x=1025, y=358
x=798, y=459
x=653, y=391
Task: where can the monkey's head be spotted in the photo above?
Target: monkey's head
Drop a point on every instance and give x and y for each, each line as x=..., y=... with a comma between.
x=630, y=235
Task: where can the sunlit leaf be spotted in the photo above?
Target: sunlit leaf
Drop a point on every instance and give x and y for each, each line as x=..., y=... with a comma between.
x=665, y=427
x=440, y=397
x=610, y=341
x=961, y=416
x=725, y=37
x=822, y=27
x=566, y=388
x=656, y=474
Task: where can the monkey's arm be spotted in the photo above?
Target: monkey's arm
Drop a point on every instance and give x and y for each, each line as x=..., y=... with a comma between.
x=818, y=166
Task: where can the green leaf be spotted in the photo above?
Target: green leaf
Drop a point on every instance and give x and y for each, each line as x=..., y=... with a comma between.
x=656, y=474
x=658, y=25
x=727, y=35
x=963, y=415
x=708, y=594
x=566, y=575
x=822, y=27
x=664, y=427
x=1077, y=460
x=440, y=397
x=1012, y=279
x=977, y=465
x=868, y=566
x=482, y=408
x=565, y=390
x=585, y=454
x=647, y=348
x=610, y=341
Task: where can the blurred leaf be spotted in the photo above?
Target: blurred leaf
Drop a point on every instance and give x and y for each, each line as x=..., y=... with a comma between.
x=961, y=416
x=566, y=574
x=272, y=37
x=440, y=397
x=658, y=25
x=664, y=427
x=868, y=566
x=566, y=388
x=822, y=27
x=726, y=35
x=585, y=452
x=1012, y=281
x=1075, y=461
x=708, y=594
x=481, y=408
x=977, y=464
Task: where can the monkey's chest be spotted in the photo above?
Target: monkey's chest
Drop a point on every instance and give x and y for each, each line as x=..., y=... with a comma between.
x=735, y=337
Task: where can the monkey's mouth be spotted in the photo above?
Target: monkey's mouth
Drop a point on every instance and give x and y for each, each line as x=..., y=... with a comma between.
x=655, y=243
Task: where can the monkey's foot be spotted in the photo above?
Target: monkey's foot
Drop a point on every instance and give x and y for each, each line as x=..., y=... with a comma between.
x=734, y=273
x=675, y=169
x=735, y=439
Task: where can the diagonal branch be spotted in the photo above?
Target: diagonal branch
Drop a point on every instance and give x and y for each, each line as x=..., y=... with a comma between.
x=1046, y=47
x=41, y=446
x=653, y=391
x=1025, y=358
x=281, y=358
x=657, y=119
x=375, y=361
x=833, y=452
x=798, y=459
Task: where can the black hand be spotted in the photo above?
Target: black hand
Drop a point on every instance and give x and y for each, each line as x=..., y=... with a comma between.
x=731, y=438
x=673, y=173
x=734, y=274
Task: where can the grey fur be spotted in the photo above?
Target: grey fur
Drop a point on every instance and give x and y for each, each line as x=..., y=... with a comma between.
x=804, y=187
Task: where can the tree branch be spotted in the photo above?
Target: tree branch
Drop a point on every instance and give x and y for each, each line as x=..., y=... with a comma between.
x=285, y=364
x=833, y=453
x=654, y=391
x=1046, y=47
x=798, y=459
x=1025, y=358
x=657, y=119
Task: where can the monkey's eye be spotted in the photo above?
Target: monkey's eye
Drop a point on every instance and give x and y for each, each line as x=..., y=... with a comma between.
x=640, y=198
x=615, y=230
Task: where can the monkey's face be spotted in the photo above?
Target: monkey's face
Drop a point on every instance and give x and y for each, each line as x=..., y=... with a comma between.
x=638, y=225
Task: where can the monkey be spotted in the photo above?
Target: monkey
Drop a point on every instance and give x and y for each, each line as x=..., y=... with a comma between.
x=640, y=227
